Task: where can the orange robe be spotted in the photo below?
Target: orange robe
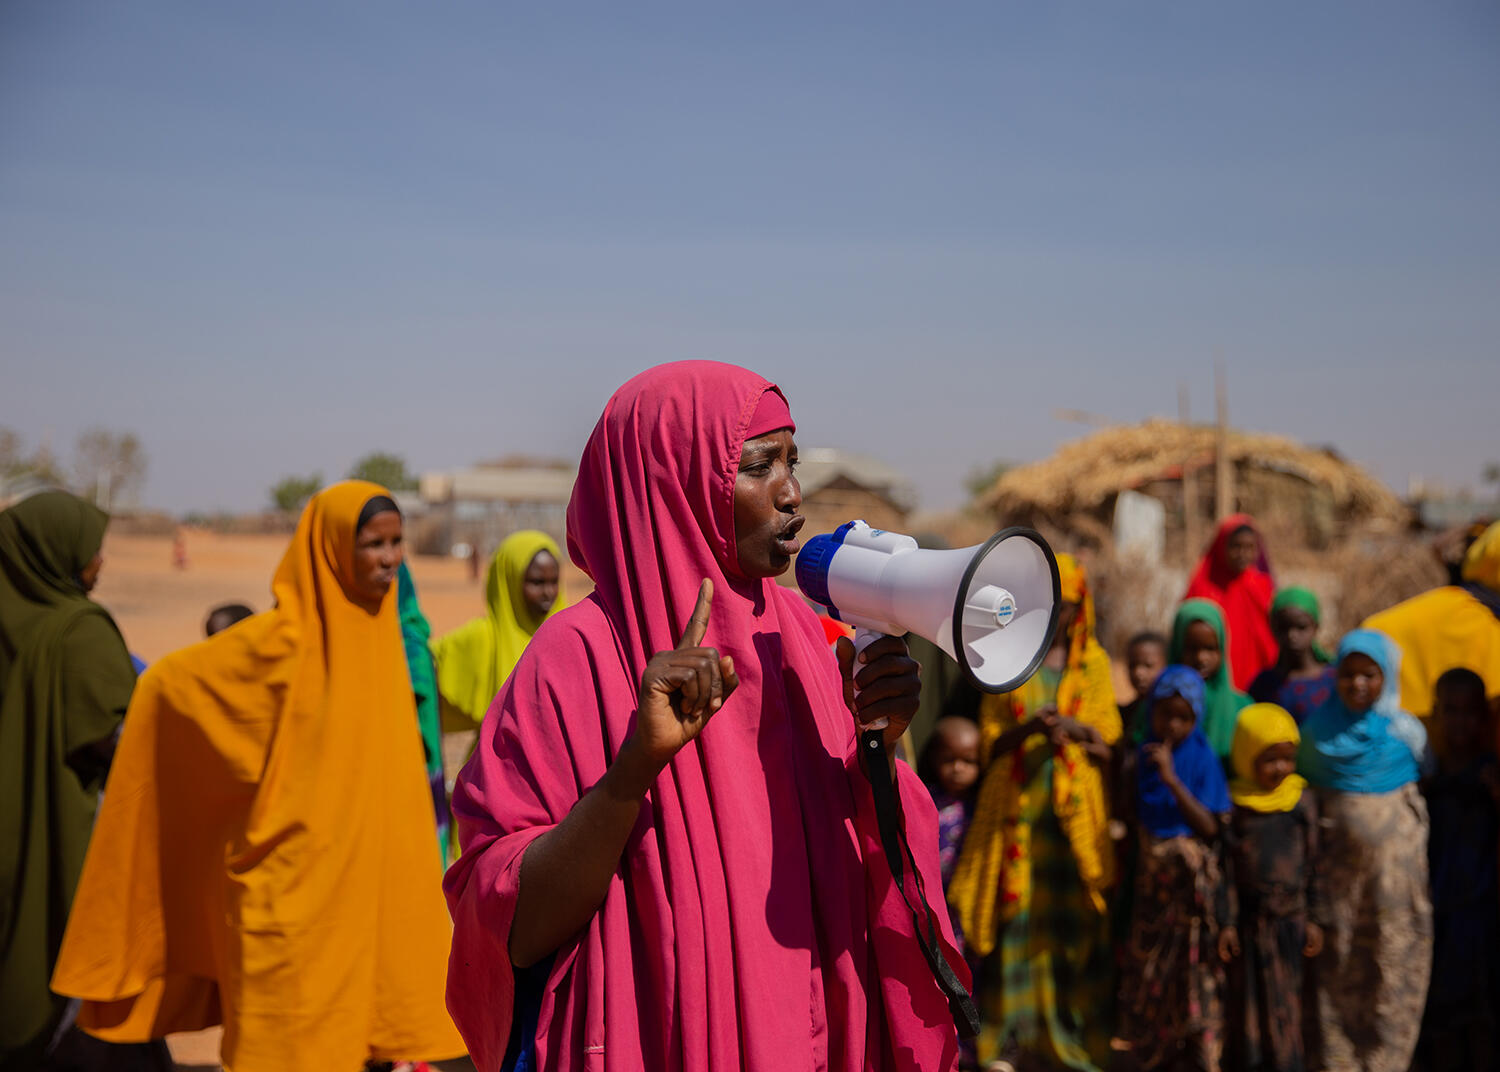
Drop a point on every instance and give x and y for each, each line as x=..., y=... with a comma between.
x=264, y=854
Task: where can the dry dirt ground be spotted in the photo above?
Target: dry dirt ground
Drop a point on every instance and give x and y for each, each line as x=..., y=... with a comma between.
x=160, y=608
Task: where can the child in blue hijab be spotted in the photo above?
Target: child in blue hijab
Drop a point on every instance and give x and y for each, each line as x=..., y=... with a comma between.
x=1172, y=992
x=1363, y=754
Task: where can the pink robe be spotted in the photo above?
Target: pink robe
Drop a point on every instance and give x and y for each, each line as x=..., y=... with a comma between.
x=752, y=922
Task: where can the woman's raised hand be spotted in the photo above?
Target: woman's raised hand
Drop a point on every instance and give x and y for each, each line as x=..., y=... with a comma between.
x=682, y=688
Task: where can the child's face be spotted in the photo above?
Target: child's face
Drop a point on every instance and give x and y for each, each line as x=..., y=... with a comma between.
x=1200, y=649
x=1172, y=720
x=1359, y=682
x=1274, y=764
x=1294, y=630
x=956, y=759
x=1146, y=661
x=1461, y=711
x=1243, y=549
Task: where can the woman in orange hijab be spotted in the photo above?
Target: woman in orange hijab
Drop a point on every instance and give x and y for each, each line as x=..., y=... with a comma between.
x=264, y=855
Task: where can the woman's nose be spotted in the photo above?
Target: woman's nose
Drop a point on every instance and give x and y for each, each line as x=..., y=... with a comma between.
x=790, y=495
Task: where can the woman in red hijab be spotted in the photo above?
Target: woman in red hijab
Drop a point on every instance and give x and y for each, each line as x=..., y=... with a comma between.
x=1236, y=575
x=670, y=853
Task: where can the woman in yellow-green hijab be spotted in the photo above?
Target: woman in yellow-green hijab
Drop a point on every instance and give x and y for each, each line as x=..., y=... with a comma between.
x=522, y=589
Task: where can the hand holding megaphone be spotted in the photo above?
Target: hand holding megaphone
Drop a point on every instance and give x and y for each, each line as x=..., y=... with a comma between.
x=882, y=683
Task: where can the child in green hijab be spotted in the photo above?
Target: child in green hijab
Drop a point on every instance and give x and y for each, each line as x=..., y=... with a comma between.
x=1300, y=679
x=1201, y=641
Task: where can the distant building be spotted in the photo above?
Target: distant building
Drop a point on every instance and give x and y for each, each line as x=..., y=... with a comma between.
x=839, y=486
x=481, y=505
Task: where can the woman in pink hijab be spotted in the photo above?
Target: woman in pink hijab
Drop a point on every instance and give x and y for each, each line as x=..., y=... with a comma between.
x=670, y=852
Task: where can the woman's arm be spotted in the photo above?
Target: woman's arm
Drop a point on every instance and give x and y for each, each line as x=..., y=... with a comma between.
x=566, y=872
x=1044, y=721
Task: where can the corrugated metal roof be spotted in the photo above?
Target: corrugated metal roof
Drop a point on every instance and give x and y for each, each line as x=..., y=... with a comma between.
x=499, y=485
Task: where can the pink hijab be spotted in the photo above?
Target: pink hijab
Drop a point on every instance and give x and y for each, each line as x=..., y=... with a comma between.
x=752, y=922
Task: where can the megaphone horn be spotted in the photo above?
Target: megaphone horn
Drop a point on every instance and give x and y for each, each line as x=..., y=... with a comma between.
x=992, y=607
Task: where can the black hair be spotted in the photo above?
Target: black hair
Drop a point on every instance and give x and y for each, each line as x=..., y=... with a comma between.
x=379, y=504
x=225, y=615
x=1459, y=679
x=927, y=761
x=1150, y=636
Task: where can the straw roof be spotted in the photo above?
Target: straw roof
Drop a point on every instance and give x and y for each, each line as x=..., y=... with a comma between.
x=1085, y=474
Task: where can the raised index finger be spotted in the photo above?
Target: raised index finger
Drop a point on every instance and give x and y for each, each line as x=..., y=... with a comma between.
x=697, y=625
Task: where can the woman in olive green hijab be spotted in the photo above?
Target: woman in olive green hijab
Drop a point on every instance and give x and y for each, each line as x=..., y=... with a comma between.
x=65, y=681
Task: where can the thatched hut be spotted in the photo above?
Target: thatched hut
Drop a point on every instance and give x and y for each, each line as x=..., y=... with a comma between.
x=1329, y=524
x=1304, y=497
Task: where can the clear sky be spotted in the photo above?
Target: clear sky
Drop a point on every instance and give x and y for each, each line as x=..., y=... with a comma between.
x=272, y=236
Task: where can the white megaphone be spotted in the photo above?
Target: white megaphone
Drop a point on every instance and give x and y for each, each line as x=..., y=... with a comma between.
x=992, y=607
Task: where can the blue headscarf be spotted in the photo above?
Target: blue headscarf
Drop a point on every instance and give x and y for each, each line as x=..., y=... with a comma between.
x=1197, y=766
x=1375, y=751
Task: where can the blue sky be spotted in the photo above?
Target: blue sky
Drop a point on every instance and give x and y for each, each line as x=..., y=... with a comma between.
x=271, y=237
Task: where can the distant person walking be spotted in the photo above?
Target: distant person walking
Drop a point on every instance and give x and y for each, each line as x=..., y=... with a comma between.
x=265, y=854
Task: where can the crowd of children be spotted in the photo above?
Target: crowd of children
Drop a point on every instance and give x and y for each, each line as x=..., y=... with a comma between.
x=1293, y=880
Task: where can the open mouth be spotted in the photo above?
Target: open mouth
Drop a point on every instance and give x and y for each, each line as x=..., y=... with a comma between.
x=786, y=540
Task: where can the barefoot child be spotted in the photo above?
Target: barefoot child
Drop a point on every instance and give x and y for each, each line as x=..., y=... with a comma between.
x=1171, y=1007
x=1273, y=842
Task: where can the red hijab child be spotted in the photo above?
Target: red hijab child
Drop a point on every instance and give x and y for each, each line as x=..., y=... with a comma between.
x=1236, y=575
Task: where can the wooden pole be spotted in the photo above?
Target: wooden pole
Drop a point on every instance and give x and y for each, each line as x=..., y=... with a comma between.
x=1224, y=497
x=1189, y=482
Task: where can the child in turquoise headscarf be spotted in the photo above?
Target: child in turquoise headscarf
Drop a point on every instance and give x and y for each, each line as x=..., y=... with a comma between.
x=1363, y=755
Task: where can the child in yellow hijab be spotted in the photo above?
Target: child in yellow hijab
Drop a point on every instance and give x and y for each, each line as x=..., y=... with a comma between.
x=522, y=589
x=1273, y=840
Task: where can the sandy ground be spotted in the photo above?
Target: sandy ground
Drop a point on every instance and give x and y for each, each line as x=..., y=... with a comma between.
x=160, y=608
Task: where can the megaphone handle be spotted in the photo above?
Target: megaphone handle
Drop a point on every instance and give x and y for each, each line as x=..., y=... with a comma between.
x=863, y=638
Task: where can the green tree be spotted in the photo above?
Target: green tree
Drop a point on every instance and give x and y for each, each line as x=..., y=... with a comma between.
x=291, y=493
x=15, y=464
x=109, y=466
x=379, y=467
